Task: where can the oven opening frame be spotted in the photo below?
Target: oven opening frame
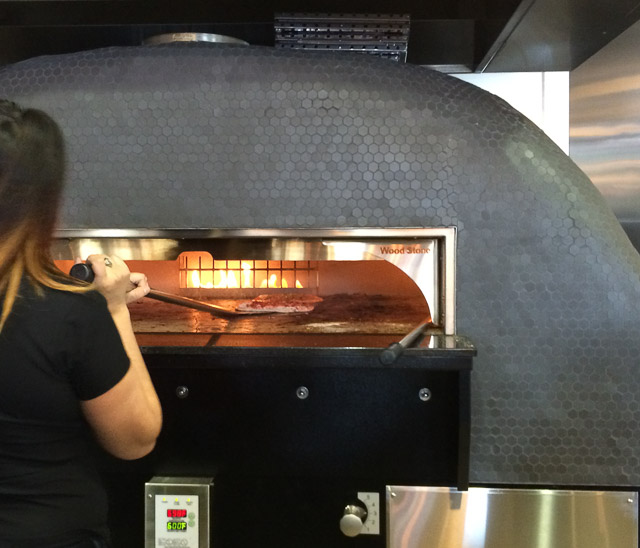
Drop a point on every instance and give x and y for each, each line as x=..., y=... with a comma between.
x=426, y=255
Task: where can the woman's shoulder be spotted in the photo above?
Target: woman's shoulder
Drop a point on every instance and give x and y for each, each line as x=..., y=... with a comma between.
x=61, y=299
x=89, y=299
x=43, y=308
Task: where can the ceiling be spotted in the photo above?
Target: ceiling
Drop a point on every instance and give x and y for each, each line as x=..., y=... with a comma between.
x=452, y=35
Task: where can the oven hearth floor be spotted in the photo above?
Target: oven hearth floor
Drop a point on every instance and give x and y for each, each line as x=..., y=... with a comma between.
x=345, y=319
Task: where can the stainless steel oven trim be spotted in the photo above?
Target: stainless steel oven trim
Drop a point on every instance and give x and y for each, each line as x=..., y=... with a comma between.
x=167, y=244
x=174, y=233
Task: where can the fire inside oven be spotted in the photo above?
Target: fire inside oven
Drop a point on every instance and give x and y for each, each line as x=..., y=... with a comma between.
x=364, y=288
x=201, y=270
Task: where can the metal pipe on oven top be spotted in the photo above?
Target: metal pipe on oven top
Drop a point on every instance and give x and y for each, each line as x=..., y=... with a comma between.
x=390, y=354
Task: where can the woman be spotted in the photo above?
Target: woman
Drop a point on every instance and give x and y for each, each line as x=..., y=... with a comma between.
x=70, y=368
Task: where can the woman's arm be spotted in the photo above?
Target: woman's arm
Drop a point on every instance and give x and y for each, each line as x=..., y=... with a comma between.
x=127, y=418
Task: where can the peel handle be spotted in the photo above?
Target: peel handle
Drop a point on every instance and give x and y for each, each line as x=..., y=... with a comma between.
x=390, y=354
x=82, y=271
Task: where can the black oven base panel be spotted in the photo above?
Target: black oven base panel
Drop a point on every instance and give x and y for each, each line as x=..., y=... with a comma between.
x=304, y=414
x=290, y=436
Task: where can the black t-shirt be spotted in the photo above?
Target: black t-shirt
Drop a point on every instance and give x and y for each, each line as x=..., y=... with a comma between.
x=55, y=350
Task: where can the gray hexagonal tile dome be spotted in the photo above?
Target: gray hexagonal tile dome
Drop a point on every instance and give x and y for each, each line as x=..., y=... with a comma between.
x=201, y=136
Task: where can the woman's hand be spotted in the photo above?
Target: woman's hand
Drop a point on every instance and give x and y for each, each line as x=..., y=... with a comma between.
x=114, y=280
x=138, y=287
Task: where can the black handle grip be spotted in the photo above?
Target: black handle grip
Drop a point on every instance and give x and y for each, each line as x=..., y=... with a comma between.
x=82, y=271
x=391, y=353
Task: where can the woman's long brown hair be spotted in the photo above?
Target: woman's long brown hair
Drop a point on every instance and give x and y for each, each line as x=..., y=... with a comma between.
x=32, y=168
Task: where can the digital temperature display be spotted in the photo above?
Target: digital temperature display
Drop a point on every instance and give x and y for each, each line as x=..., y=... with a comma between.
x=176, y=513
x=176, y=526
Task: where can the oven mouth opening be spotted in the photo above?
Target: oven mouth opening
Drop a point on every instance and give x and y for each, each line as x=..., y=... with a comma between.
x=373, y=283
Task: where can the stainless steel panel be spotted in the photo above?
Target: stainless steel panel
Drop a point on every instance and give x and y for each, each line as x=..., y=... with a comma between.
x=556, y=35
x=605, y=125
x=432, y=517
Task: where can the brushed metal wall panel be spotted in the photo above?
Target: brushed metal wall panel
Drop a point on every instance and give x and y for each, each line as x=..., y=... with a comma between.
x=504, y=518
x=198, y=136
x=605, y=125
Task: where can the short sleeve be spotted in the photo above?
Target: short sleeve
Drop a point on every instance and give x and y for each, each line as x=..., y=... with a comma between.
x=98, y=360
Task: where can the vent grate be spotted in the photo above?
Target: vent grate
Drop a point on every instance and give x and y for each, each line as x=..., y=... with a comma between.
x=382, y=35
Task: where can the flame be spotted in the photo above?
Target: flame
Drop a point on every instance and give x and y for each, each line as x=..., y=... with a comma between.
x=196, y=282
x=227, y=279
x=223, y=279
x=247, y=275
x=271, y=282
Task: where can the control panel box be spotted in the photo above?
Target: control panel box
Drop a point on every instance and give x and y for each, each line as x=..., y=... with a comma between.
x=177, y=512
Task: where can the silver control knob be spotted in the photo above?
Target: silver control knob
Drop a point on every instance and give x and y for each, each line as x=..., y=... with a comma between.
x=353, y=519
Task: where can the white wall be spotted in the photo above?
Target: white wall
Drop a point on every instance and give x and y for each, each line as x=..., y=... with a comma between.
x=543, y=97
